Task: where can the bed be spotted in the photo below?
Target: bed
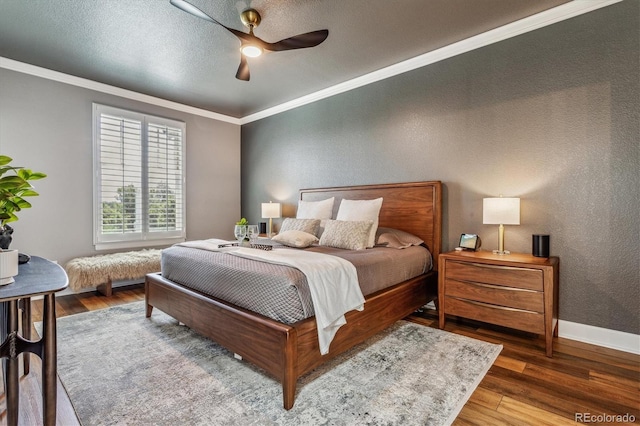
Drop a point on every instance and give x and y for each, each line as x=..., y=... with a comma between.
x=288, y=351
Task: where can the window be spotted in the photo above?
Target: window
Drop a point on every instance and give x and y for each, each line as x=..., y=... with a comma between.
x=138, y=179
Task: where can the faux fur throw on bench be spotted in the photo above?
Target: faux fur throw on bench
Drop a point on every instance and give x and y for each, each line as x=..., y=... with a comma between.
x=92, y=271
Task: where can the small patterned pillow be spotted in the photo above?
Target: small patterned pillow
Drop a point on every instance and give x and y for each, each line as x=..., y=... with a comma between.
x=295, y=238
x=350, y=235
x=310, y=226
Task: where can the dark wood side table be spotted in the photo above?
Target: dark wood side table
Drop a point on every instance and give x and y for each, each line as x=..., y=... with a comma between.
x=517, y=290
x=38, y=277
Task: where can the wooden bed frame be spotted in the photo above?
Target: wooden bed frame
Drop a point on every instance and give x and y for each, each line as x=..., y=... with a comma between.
x=288, y=351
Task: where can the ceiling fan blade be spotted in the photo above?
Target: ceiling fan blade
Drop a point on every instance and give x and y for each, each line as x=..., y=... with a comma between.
x=243, y=69
x=300, y=41
x=191, y=9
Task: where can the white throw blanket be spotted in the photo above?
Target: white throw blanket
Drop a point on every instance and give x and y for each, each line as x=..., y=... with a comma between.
x=332, y=280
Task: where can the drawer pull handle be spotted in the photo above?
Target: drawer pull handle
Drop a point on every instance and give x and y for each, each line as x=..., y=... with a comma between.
x=503, y=308
x=500, y=287
x=506, y=268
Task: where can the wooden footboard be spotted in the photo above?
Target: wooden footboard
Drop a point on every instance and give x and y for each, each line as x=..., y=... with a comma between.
x=284, y=351
x=260, y=340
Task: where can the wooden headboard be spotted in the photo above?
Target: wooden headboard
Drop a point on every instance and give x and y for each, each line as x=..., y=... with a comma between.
x=414, y=207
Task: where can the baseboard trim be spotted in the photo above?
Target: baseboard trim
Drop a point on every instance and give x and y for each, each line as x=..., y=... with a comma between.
x=607, y=338
x=613, y=339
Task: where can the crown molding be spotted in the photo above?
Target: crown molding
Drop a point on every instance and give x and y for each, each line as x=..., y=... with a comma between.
x=531, y=23
x=72, y=80
x=513, y=29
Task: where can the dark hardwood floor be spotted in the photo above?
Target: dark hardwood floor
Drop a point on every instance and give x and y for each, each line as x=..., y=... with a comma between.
x=522, y=387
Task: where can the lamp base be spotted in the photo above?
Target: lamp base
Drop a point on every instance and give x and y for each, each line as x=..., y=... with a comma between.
x=8, y=280
x=501, y=252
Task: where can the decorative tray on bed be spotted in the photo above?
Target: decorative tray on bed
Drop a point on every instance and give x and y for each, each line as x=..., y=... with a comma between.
x=266, y=247
x=229, y=244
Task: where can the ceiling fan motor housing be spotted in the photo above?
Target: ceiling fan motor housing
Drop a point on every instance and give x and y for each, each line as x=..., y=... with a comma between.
x=250, y=18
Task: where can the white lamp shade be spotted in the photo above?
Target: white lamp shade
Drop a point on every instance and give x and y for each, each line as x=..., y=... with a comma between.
x=271, y=210
x=501, y=211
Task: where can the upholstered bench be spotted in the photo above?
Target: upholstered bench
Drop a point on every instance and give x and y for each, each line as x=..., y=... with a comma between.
x=100, y=271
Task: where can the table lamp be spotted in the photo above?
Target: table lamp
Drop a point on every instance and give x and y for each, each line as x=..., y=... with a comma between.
x=269, y=211
x=501, y=211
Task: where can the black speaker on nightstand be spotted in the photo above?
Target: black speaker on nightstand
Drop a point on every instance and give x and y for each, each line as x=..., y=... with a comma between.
x=540, y=245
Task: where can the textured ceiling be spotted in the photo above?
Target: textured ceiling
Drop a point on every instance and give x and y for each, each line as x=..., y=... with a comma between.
x=151, y=47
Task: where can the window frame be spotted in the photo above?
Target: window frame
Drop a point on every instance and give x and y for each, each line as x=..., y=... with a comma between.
x=144, y=238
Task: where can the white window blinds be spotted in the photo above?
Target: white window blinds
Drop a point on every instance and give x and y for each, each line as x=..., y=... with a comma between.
x=139, y=179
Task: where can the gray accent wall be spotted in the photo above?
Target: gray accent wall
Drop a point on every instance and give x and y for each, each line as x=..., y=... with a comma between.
x=551, y=116
x=47, y=126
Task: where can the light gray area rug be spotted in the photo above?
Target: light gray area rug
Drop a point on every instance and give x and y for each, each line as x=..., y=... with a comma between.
x=122, y=368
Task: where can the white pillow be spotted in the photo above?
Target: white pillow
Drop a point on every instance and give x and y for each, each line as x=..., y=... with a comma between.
x=295, y=238
x=360, y=210
x=350, y=235
x=315, y=209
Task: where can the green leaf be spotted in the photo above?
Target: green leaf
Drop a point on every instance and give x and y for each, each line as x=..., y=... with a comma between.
x=28, y=174
x=27, y=193
x=10, y=204
x=5, y=160
x=9, y=182
x=22, y=204
x=37, y=175
x=24, y=173
x=5, y=169
x=12, y=218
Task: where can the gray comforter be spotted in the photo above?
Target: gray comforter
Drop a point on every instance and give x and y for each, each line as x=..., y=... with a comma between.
x=281, y=292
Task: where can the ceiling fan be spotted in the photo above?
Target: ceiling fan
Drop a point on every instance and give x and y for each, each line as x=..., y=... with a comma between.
x=252, y=46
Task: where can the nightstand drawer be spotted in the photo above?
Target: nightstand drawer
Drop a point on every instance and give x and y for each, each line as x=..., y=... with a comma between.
x=515, y=318
x=510, y=276
x=498, y=295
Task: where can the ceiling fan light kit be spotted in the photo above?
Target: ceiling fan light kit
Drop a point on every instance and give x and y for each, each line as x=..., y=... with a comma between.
x=251, y=51
x=251, y=45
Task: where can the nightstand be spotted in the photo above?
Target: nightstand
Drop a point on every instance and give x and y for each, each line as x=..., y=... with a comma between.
x=518, y=291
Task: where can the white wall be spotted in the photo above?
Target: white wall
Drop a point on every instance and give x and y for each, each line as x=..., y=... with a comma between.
x=47, y=126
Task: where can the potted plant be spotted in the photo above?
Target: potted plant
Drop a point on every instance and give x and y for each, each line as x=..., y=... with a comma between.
x=14, y=187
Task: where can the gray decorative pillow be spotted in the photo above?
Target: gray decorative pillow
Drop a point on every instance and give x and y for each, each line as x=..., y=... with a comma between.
x=350, y=235
x=310, y=226
x=396, y=238
x=293, y=238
